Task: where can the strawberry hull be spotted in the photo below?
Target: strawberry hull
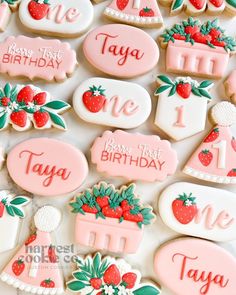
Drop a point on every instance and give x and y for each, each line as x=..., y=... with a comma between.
x=107, y=234
x=198, y=59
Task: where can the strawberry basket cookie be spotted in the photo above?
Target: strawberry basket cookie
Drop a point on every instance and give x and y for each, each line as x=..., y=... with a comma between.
x=111, y=219
x=35, y=266
x=11, y=215
x=100, y=276
x=6, y=9
x=197, y=49
x=215, y=159
x=141, y=13
x=196, y=7
x=23, y=106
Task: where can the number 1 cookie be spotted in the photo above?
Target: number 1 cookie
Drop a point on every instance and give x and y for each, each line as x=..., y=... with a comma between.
x=109, y=276
x=215, y=159
x=185, y=101
x=11, y=214
x=64, y=18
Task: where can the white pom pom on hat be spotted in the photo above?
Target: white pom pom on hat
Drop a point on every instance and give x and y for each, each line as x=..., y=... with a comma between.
x=224, y=113
x=47, y=218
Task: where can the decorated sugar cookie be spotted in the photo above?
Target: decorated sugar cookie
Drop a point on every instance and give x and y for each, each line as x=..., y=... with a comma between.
x=215, y=159
x=141, y=13
x=110, y=49
x=134, y=156
x=11, y=213
x=197, y=49
x=185, y=101
x=107, y=275
x=230, y=86
x=35, y=267
x=46, y=59
x=194, y=266
x=39, y=165
x=112, y=102
x=110, y=219
x=6, y=9
x=23, y=106
x=196, y=7
x=199, y=211
x=64, y=18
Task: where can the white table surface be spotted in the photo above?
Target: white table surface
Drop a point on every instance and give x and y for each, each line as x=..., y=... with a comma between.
x=82, y=134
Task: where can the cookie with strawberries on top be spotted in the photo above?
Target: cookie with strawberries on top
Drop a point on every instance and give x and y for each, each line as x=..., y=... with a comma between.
x=185, y=101
x=97, y=275
x=199, y=49
x=24, y=106
x=215, y=159
x=197, y=7
x=7, y=7
x=104, y=211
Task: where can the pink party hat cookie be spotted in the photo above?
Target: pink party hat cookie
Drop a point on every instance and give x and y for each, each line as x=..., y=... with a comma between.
x=141, y=13
x=215, y=159
x=35, y=271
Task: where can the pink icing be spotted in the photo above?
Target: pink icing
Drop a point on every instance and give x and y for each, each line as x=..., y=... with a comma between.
x=134, y=7
x=198, y=59
x=46, y=269
x=134, y=156
x=223, y=219
x=231, y=85
x=213, y=168
x=180, y=117
x=37, y=58
x=42, y=169
x=129, y=108
x=110, y=49
x=194, y=266
x=59, y=14
x=108, y=234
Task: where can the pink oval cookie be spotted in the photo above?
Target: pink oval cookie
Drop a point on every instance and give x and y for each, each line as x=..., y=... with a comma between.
x=47, y=167
x=134, y=156
x=111, y=49
x=193, y=266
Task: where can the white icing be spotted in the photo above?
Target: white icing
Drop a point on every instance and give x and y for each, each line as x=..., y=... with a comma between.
x=84, y=7
x=211, y=203
x=224, y=113
x=135, y=19
x=47, y=219
x=29, y=288
x=126, y=91
x=221, y=147
x=208, y=177
x=194, y=114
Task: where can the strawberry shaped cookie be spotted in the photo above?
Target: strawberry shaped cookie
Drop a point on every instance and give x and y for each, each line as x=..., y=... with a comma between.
x=11, y=215
x=198, y=49
x=214, y=160
x=185, y=101
x=102, y=209
x=99, y=276
x=21, y=106
x=140, y=13
x=35, y=267
x=63, y=18
x=196, y=7
x=6, y=9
